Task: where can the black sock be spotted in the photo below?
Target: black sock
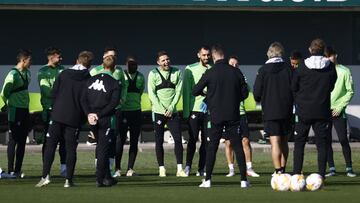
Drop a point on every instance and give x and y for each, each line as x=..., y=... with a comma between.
x=278, y=170
x=283, y=169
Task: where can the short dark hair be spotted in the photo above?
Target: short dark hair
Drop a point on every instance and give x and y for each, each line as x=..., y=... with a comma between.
x=110, y=48
x=85, y=58
x=23, y=54
x=233, y=57
x=296, y=55
x=205, y=47
x=217, y=48
x=52, y=50
x=330, y=51
x=130, y=57
x=317, y=47
x=161, y=53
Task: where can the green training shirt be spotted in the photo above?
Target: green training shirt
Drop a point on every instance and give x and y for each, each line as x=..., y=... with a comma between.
x=14, y=81
x=118, y=75
x=192, y=75
x=133, y=99
x=167, y=98
x=46, y=78
x=343, y=90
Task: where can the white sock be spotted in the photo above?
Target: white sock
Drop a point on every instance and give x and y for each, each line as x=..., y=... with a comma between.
x=111, y=163
x=179, y=167
x=231, y=166
x=248, y=165
x=161, y=167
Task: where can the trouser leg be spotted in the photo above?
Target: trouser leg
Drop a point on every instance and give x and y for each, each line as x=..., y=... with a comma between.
x=340, y=125
x=53, y=136
x=71, y=141
x=215, y=134
x=300, y=137
x=175, y=129
x=322, y=140
x=159, y=122
x=194, y=128
x=135, y=128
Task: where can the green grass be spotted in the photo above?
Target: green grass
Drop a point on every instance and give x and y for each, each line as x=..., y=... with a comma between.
x=148, y=187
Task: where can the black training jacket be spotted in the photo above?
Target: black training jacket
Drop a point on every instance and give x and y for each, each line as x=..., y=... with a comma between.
x=67, y=91
x=272, y=88
x=226, y=88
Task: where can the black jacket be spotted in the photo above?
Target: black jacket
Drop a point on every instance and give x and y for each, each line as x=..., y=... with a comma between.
x=226, y=88
x=67, y=91
x=273, y=88
x=312, y=84
x=102, y=95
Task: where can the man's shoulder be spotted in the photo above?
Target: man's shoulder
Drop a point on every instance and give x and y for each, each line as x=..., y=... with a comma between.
x=191, y=66
x=343, y=68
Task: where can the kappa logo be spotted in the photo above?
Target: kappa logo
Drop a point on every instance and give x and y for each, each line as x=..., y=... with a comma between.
x=159, y=122
x=98, y=85
x=193, y=116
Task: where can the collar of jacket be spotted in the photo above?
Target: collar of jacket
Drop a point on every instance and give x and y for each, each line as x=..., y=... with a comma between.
x=221, y=61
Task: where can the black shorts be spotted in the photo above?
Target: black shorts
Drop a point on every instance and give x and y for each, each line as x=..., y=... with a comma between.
x=244, y=128
x=277, y=127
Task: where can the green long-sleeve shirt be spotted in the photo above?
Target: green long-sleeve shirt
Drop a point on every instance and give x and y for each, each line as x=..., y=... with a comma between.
x=118, y=75
x=46, y=78
x=192, y=75
x=15, y=80
x=343, y=90
x=133, y=99
x=164, y=99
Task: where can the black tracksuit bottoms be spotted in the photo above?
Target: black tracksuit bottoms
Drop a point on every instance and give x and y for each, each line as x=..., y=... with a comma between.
x=233, y=130
x=105, y=138
x=62, y=151
x=18, y=131
x=197, y=122
x=321, y=128
x=340, y=125
x=174, y=126
x=58, y=131
x=130, y=121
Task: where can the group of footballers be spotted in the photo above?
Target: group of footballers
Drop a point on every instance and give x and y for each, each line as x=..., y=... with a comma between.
x=304, y=93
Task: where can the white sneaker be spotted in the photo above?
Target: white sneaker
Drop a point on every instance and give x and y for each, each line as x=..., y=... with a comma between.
x=250, y=172
x=162, y=172
x=222, y=140
x=43, y=181
x=130, y=172
x=205, y=183
x=18, y=174
x=231, y=173
x=181, y=173
x=117, y=174
x=244, y=184
x=187, y=170
x=68, y=183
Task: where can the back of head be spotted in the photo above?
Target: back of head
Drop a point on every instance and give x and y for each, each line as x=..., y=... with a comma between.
x=217, y=51
x=330, y=51
x=317, y=47
x=85, y=58
x=109, y=63
x=23, y=54
x=276, y=49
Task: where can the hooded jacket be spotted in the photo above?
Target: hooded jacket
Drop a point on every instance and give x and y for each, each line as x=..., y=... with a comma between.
x=226, y=88
x=66, y=95
x=272, y=88
x=312, y=84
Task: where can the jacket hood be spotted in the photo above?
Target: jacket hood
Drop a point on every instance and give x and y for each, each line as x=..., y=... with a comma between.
x=275, y=65
x=78, y=73
x=317, y=62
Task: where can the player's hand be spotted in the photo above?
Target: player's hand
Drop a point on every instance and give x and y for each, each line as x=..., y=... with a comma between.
x=335, y=113
x=168, y=114
x=92, y=118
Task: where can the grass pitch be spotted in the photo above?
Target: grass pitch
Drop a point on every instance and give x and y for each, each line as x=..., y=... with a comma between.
x=148, y=187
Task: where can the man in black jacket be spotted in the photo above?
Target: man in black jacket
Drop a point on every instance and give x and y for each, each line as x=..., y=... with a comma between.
x=226, y=88
x=312, y=84
x=101, y=98
x=273, y=88
x=67, y=116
